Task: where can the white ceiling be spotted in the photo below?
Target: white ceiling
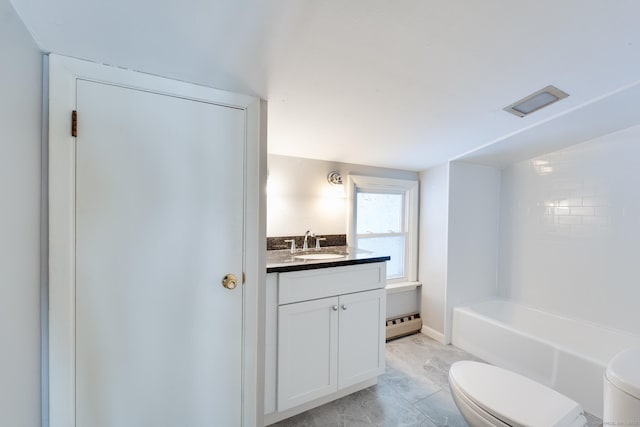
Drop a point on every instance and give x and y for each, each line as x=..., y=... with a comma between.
x=398, y=83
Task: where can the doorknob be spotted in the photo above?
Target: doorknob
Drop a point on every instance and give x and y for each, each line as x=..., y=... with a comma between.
x=230, y=281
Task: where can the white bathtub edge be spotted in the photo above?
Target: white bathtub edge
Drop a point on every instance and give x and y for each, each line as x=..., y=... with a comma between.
x=545, y=369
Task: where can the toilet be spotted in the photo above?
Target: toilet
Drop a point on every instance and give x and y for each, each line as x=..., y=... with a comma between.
x=622, y=389
x=491, y=396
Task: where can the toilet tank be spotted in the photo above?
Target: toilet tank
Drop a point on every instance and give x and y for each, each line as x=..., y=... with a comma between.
x=622, y=389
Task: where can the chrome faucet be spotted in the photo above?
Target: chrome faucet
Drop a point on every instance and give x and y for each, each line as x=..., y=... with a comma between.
x=293, y=245
x=305, y=244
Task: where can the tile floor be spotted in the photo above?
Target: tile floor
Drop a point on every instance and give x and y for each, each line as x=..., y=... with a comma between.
x=413, y=391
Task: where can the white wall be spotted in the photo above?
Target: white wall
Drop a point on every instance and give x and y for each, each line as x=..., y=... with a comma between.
x=570, y=231
x=299, y=198
x=432, y=254
x=20, y=130
x=472, y=250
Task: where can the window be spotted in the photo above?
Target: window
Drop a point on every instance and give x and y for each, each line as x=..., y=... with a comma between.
x=384, y=220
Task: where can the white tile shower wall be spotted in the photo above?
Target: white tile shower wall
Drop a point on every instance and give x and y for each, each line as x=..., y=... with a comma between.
x=570, y=231
x=300, y=198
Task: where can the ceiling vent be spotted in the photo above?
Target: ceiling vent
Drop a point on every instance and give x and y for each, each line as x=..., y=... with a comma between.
x=536, y=101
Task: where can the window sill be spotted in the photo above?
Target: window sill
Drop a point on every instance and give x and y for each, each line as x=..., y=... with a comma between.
x=393, y=288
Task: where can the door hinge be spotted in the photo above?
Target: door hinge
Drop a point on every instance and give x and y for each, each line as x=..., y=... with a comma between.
x=74, y=123
x=244, y=278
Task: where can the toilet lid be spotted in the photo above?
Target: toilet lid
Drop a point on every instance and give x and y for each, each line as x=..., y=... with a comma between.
x=624, y=371
x=512, y=398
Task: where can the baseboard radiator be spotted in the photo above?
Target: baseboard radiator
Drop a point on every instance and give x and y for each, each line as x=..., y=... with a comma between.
x=404, y=325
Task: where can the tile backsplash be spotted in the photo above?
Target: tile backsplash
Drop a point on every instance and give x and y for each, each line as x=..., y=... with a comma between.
x=276, y=243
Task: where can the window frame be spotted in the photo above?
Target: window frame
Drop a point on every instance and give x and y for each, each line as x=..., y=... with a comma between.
x=410, y=190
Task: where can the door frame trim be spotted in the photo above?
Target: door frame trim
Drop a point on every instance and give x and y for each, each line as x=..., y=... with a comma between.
x=63, y=73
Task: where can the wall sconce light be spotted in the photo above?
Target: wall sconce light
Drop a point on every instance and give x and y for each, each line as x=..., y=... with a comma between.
x=334, y=178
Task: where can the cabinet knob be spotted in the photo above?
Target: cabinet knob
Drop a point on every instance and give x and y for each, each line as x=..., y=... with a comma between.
x=334, y=308
x=344, y=307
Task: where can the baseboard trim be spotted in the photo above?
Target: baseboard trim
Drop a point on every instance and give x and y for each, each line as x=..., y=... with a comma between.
x=432, y=333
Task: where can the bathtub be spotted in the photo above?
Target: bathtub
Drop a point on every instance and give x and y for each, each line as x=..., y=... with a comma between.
x=567, y=355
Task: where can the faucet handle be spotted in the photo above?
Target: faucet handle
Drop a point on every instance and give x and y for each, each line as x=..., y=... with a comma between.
x=318, y=239
x=293, y=244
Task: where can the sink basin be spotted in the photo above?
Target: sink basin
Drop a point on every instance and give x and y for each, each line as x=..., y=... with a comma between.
x=319, y=256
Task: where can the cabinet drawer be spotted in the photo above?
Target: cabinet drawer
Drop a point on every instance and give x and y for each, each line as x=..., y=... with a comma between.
x=326, y=282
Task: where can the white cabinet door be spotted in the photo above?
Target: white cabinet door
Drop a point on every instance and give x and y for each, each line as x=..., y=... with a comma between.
x=307, y=351
x=159, y=222
x=361, y=347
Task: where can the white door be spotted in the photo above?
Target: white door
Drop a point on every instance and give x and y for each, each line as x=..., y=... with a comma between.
x=362, y=319
x=307, y=351
x=159, y=223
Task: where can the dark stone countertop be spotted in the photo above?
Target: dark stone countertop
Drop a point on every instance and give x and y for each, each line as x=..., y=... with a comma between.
x=283, y=260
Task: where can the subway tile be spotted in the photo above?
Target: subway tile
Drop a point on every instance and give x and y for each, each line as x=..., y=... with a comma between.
x=595, y=201
x=588, y=192
x=570, y=219
x=563, y=230
x=581, y=211
x=603, y=231
x=595, y=220
x=575, y=201
x=581, y=231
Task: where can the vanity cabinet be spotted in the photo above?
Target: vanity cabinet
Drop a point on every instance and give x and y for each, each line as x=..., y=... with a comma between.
x=329, y=332
x=329, y=344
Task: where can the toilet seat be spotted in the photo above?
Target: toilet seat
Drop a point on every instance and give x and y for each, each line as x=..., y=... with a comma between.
x=622, y=389
x=511, y=399
x=475, y=416
x=623, y=371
